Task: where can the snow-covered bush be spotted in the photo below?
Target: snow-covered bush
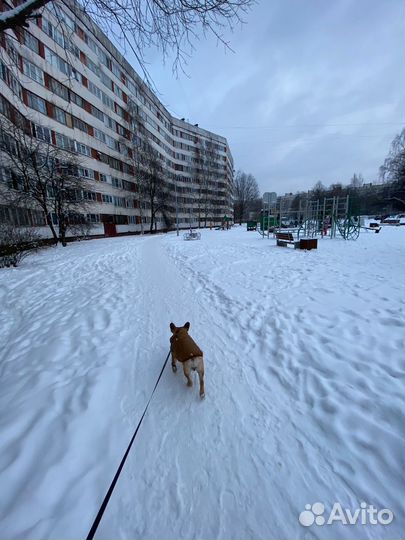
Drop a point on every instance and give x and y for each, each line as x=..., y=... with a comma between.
x=16, y=244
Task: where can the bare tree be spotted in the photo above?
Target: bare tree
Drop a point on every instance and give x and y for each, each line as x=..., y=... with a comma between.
x=138, y=143
x=212, y=172
x=246, y=191
x=43, y=175
x=154, y=187
x=393, y=169
x=166, y=25
x=148, y=169
x=337, y=190
x=356, y=181
x=319, y=190
x=206, y=178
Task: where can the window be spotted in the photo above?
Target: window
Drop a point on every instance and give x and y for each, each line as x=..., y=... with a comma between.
x=32, y=71
x=93, y=218
x=83, y=149
x=95, y=90
x=118, y=91
x=77, y=75
x=31, y=42
x=11, y=50
x=116, y=70
x=57, y=62
x=121, y=130
x=37, y=103
x=103, y=57
x=110, y=142
x=97, y=113
x=79, y=124
x=94, y=68
x=60, y=115
x=72, y=48
x=42, y=133
x=109, y=122
x=108, y=101
x=99, y=135
x=116, y=182
x=64, y=142
x=61, y=16
x=119, y=201
x=120, y=111
x=107, y=199
x=53, y=32
x=77, y=99
x=91, y=43
x=106, y=80
x=15, y=85
x=58, y=89
x=131, y=86
x=89, y=195
x=86, y=173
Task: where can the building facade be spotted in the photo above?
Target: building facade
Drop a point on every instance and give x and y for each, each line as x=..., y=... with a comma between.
x=79, y=93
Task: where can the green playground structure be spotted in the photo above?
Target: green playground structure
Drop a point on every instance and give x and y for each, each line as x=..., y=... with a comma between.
x=332, y=216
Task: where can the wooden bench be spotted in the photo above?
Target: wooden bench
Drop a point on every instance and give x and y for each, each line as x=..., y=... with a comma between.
x=284, y=239
x=376, y=227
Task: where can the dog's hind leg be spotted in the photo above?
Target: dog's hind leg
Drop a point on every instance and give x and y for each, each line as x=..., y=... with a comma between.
x=200, y=371
x=187, y=370
x=174, y=367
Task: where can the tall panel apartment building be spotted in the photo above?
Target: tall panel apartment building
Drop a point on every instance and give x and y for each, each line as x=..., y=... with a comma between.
x=78, y=92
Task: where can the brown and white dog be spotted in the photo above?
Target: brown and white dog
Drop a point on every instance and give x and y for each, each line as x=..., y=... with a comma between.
x=185, y=350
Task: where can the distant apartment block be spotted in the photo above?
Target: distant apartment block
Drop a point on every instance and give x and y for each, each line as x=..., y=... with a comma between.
x=67, y=78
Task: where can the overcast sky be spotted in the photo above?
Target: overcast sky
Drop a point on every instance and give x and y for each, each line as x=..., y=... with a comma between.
x=314, y=90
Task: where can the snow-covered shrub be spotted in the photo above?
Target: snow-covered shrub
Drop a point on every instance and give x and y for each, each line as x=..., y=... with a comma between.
x=16, y=244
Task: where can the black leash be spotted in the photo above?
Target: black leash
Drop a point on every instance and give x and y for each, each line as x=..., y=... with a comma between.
x=112, y=486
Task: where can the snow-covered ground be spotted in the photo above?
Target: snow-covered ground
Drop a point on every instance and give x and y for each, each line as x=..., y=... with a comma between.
x=305, y=380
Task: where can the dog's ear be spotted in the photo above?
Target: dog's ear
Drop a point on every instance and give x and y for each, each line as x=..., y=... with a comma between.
x=172, y=327
x=187, y=326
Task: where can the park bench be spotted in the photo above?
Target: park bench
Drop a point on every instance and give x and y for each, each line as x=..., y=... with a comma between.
x=376, y=227
x=286, y=238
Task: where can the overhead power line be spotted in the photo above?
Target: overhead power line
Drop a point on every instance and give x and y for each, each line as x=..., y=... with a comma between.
x=278, y=126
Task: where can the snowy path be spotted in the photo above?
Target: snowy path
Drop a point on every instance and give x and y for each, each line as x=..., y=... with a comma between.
x=304, y=382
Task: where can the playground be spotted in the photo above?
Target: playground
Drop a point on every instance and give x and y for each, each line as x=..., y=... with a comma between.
x=304, y=379
x=332, y=217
